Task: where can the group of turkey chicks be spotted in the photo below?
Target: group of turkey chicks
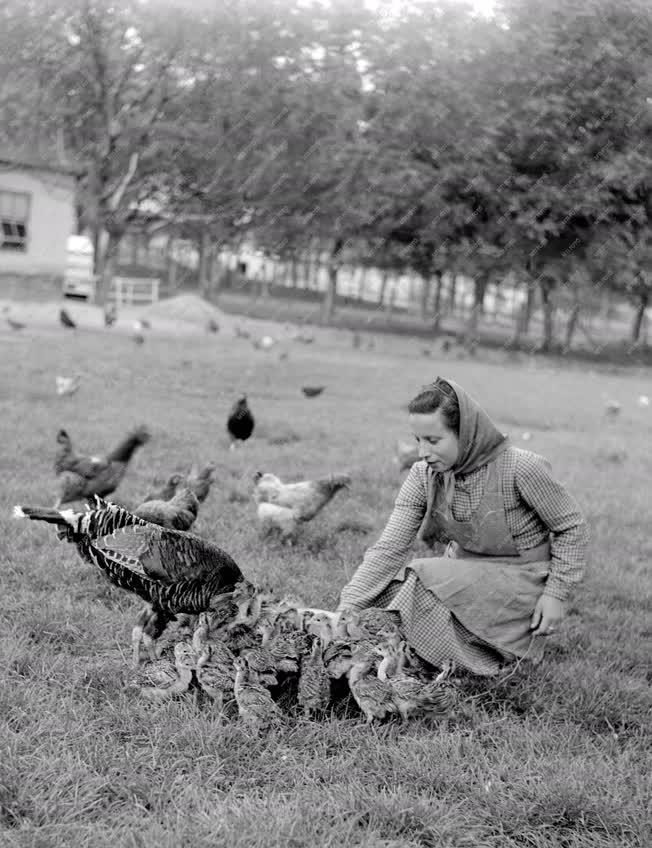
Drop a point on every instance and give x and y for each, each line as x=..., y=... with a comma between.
x=261, y=659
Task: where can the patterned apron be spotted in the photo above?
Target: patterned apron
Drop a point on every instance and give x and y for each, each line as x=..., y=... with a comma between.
x=482, y=578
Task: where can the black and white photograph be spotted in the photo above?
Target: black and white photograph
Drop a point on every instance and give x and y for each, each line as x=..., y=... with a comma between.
x=325, y=379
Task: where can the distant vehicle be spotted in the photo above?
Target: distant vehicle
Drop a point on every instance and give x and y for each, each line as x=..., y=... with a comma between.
x=79, y=280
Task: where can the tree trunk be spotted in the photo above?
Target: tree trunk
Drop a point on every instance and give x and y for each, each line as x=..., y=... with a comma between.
x=171, y=264
x=108, y=257
x=524, y=316
x=639, y=317
x=384, y=280
x=294, y=271
x=328, y=304
x=437, y=305
x=570, y=326
x=546, y=287
x=425, y=294
x=479, y=291
x=204, y=249
x=453, y=291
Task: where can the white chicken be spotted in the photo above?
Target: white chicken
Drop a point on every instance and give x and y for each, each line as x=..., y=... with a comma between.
x=67, y=385
x=285, y=505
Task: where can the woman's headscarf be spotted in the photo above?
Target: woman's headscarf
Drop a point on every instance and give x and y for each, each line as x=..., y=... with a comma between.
x=480, y=442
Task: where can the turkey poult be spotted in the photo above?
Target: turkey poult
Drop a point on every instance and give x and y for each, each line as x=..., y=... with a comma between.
x=83, y=477
x=255, y=704
x=174, y=572
x=284, y=505
x=240, y=422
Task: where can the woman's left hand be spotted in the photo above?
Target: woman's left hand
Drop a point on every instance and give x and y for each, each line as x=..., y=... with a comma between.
x=548, y=614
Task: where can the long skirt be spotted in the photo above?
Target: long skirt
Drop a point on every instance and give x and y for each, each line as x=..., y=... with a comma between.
x=475, y=612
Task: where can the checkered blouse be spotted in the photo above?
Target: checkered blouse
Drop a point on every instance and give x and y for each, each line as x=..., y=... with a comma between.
x=537, y=507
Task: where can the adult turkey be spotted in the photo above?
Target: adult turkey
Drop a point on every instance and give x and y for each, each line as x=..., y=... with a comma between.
x=175, y=572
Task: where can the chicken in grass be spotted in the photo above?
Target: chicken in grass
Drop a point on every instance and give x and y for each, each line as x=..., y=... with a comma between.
x=178, y=513
x=185, y=662
x=174, y=572
x=215, y=671
x=82, y=477
x=284, y=506
x=240, y=422
x=255, y=704
x=314, y=684
x=199, y=480
x=373, y=696
x=411, y=695
x=366, y=623
x=167, y=491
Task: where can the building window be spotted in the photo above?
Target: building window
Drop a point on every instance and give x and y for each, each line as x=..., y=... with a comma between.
x=14, y=216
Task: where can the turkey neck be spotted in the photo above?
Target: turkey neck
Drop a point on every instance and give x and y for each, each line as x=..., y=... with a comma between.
x=358, y=671
x=387, y=667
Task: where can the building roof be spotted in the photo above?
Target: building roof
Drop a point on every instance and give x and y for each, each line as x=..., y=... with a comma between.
x=36, y=163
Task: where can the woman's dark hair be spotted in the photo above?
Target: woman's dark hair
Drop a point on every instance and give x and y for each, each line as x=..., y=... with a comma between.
x=438, y=395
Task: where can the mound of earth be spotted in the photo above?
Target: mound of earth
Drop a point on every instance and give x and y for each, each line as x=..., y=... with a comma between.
x=183, y=307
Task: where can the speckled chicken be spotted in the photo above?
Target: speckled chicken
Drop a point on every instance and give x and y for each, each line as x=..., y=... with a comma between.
x=314, y=683
x=185, y=661
x=362, y=624
x=255, y=704
x=285, y=647
x=285, y=505
x=215, y=671
x=177, y=513
x=82, y=477
x=261, y=664
x=373, y=696
x=411, y=695
x=174, y=572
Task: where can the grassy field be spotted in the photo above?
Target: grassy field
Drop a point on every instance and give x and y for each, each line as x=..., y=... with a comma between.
x=552, y=755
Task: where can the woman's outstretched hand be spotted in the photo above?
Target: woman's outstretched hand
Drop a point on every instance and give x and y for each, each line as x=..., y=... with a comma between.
x=548, y=614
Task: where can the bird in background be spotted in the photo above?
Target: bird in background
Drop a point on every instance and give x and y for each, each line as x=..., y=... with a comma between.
x=82, y=477
x=67, y=385
x=240, y=422
x=66, y=320
x=212, y=326
x=15, y=325
x=312, y=391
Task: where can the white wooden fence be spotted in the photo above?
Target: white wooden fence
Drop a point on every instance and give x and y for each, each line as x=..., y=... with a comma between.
x=129, y=290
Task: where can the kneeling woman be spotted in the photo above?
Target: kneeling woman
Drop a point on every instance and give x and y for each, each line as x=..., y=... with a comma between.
x=516, y=541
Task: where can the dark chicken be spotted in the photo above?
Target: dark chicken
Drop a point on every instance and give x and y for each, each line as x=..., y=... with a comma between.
x=83, y=476
x=240, y=422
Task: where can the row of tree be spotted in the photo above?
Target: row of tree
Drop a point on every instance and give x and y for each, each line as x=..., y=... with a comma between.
x=414, y=135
